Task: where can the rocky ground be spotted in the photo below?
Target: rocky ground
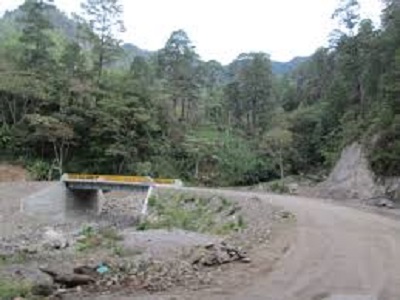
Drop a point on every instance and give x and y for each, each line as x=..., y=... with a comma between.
x=119, y=252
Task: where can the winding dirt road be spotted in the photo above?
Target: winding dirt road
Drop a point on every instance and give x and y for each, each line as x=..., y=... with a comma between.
x=339, y=253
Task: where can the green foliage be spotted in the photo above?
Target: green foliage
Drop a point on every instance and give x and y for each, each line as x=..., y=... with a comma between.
x=5, y=138
x=177, y=63
x=236, y=160
x=35, y=36
x=279, y=187
x=193, y=214
x=385, y=154
x=13, y=289
x=39, y=170
x=103, y=18
x=20, y=257
x=110, y=234
x=250, y=94
x=92, y=239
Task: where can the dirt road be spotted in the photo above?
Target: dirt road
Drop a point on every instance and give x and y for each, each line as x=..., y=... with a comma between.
x=339, y=253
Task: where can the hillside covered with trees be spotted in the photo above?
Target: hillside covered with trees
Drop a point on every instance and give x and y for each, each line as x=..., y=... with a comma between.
x=73, y=98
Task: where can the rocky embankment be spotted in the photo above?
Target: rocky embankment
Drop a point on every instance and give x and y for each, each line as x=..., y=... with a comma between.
x=352, y=178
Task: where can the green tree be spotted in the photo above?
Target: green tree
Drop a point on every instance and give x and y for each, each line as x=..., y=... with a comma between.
x=277, y=141
x=35, y=37
x=254, y=82
x=348, y=14
x=104, y=21
x=55, y=132
x=178, y=63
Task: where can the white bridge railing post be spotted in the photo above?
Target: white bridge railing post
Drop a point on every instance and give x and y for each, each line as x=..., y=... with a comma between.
x=146, y=200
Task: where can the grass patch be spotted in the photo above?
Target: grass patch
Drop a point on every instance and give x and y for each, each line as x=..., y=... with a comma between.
x=16, y=258
x=92, y=239
x=205, y=215
x=123, y=252
x=279, y=187
x=110, y=234
x=12, y=289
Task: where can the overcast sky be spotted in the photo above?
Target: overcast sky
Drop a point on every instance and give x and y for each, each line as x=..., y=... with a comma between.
x=222, y=29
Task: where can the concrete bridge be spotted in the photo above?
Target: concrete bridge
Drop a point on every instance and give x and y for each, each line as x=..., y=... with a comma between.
x=90, y=188
x=83, y=194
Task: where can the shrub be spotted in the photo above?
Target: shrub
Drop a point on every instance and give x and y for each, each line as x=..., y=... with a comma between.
x=384, y=157
x=236, y=161
x=39, y=170
x=91, y=239
x=12, y=289
x=279, y=187
x=193, y=214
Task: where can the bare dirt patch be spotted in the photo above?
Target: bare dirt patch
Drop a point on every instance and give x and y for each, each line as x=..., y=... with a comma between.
x=10, y=173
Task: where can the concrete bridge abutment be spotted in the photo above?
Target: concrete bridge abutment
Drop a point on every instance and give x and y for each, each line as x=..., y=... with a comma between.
x=59, y=203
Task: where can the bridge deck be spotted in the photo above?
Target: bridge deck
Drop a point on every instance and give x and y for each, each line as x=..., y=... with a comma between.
x=104, y=185
x=111, y=182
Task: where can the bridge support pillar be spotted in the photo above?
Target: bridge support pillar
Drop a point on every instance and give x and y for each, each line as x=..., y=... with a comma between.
x=59, y=203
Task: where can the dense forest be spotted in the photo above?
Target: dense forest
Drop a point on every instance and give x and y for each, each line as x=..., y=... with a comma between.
x=73, y=98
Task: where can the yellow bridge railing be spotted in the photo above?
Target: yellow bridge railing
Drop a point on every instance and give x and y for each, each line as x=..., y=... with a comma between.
x=123, y=179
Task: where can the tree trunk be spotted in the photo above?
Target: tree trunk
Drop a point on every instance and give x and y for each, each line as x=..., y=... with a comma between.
x=254, y=114
x=197, y=166
x=361, y=95
x=58, y=152
x=100, y=66
x=175, y=105
x=281, y=165
x=183, y=104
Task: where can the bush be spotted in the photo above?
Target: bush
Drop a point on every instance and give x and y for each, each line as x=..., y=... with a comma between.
x=12, y=289
x=196, y=214
x=5, y=138
x=144, y=169
x=279, y=187
x=384, y=157
x=92, y=239
x=236, y=161
x=39, y=170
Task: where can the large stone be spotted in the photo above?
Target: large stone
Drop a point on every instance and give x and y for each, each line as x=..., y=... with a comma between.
x=218, y=254
x=69, y=280
x=384, y=202
x=54, y=239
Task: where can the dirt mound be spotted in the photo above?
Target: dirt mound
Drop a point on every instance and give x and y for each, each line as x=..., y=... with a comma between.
x=351, y=178
x=10, y=173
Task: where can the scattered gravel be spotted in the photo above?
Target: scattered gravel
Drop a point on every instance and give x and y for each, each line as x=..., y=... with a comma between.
x=158, y=244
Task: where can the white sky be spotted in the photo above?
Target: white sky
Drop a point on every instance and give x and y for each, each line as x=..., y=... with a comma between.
x=222, y=29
